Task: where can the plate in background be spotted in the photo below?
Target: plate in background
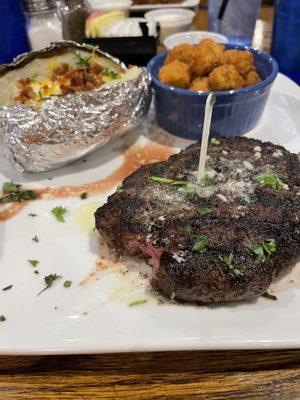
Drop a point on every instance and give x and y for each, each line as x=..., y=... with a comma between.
x=93, y=315
x=192, y=37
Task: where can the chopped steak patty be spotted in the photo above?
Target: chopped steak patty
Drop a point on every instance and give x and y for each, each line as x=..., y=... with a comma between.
x=224, y=240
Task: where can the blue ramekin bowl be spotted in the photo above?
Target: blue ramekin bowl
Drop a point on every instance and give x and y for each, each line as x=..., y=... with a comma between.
x=235, y=112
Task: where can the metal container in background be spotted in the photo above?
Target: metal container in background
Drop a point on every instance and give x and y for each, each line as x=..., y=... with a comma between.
x=74, y=14
x=286, y=37
x=43, y=23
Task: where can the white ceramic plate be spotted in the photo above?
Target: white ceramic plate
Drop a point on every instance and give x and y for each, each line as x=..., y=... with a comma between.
x=147, y=7
x=95, y=316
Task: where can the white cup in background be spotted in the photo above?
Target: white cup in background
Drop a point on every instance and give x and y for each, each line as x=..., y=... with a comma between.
x=171, y=20
x=193, y=37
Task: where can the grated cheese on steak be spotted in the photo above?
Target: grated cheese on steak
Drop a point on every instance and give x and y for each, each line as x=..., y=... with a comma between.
x=222, y=241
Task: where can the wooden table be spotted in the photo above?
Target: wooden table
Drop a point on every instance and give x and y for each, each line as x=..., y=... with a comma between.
x=178, y=375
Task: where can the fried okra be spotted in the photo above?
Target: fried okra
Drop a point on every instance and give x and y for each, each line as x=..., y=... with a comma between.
x=252, y=78
x=242, y=60
x=175, y=74
x=183, y=52
x=201, y=84
x=225, y=77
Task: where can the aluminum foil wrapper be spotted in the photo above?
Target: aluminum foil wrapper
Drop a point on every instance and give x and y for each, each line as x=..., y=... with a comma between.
x=69, y=127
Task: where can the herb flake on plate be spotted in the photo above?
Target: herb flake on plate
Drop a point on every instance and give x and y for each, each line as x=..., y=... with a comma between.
x=7, y=287
x=49, y=279
x=12, y=193
x=67, y=284
x=9, y=187
x=34, y=263
x=2, y=318
x=137, y=303
x=59, y=213
x=269, y=296
x=35, y=239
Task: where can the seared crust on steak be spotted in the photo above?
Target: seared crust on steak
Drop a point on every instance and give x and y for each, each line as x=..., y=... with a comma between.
x=161, y=223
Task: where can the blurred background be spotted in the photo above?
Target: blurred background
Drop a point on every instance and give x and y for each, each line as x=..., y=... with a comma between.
x=136, y=30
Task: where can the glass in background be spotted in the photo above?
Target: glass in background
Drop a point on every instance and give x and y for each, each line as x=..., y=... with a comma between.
x=286, y=37
x=12, y=30
x=234, y=18
x=74, y=14
x=43, y=23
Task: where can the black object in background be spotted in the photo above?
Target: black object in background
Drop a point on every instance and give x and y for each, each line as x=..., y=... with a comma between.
x=130, y=50
x=222, y=9
x=136, y=50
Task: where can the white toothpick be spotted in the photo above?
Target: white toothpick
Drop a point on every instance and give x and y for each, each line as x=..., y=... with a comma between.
x=211, y=98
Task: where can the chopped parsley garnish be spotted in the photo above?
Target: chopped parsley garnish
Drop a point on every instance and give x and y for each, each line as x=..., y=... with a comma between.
x=269, y=296
x=49, y=279
x=215, y=141
x=172, y=296
x=2, y=318
x=12, y=193
x=11, y=187
x=269, y=246
x=83, y=61
x=59, y=213
x=109, y=72
x=204, y=210
x=213, y=99
x=229, y=262
x=201, y=243
x=263, y=250
x=137, y=303
x=189, y=190
x=207, y=182
x=35, y=239
x=7, y=287
x=119, y=190
x=32, y=215
x=45, y=97
x=188, y=229
x=83, y=196
x=36, y=272
x=67, y=284
x=258, y=251
x=270, y=179
x=34, y=263
x=168, y=181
